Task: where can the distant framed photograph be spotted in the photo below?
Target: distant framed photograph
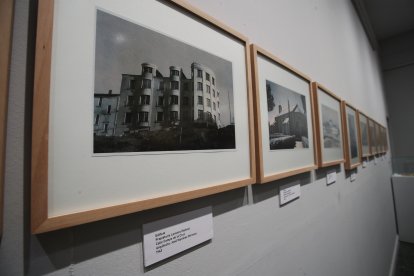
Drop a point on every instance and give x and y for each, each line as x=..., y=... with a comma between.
x=328, y=122
x=134, y=109
x=385, y=140
x=372, y=137
x=350, y=129
x=364, y=134
x=284, y=121
x=377, y=128
x=380, y=132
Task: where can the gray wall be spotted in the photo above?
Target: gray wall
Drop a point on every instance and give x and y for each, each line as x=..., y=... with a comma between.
x=397, y=58
x=343, y=229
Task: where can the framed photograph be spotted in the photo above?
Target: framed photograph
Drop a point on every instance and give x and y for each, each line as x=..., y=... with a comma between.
x=363, y=134
x=378, y=137
x=385, y=140
x=328, y=122
x=372, y=137
x=136, y=106
x=6, y=26
x=350, y=129
x=284, y=118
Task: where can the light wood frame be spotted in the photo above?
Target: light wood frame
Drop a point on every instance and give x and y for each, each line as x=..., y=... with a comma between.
x=385, y=140
x=319, y=140
x=381, y=138
x=348, y=161
x=372, y=146
x=360, y=134
x=261, y=178
x=6, y=26
x=377, y=138
x=40, y=219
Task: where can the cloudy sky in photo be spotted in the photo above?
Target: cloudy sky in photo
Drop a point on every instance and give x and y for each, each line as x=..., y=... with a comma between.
x=122, y=46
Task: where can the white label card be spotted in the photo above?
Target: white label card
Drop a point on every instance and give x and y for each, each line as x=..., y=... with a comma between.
x=330, y=178
x=167, y=237
x=364, y=163
x=353, y=176
x=289, y=192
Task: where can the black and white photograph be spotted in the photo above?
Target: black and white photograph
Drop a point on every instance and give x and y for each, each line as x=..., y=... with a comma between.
x=287, y=118
x=331, y=127
x=364, y=134
x=155, y=93
x=353, y=142
x=372, y=137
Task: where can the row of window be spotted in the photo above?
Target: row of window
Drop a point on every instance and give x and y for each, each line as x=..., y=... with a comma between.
x=175, y=85
x=200, y=75
x=146, y=83
x=149, y=70
x=143, y=117
x=145, y=100
x=200, y=102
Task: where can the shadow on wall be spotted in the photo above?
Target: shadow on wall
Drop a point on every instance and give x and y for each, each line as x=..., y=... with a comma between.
x=265, y=191
x=60, y=249
x=322, y=172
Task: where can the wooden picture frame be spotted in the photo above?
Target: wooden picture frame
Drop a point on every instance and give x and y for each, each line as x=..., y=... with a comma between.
x=372, y=139
x=380, y=139
x=350, y=129
x=328, y=125
x=72, y=183
x=385, y=139
x=6, y=26
x=288, y=91
x=364, y=140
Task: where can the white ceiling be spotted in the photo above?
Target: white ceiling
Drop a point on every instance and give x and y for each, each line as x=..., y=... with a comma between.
x=390, y=17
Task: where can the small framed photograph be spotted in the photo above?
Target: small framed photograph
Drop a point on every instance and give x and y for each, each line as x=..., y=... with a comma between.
x=364, y=134
x=372, y=137
x=350, y=129
x=328, y=122
x=385, y=140
x=284, y=118
x=378, y=135
x=137, y=105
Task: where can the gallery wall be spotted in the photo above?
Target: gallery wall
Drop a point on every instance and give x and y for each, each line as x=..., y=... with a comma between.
x=397, y=59
x=346, y=228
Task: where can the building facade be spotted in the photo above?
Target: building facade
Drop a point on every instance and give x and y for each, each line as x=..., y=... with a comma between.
x=151, y=101
x=105, y=113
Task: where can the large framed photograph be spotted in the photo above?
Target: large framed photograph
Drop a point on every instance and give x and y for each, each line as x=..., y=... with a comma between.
x=372, y=137
x=350, y=129
x=284, y=121
x=364, y=139
x=136, y=106
x=328, y=122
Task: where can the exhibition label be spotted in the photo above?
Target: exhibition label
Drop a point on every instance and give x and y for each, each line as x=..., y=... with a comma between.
x=288, y=193
x=167, y=237
x=331, y=178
